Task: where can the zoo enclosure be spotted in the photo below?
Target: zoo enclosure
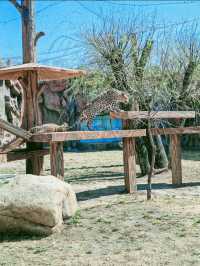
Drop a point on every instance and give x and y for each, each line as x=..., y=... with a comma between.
x=56, y=139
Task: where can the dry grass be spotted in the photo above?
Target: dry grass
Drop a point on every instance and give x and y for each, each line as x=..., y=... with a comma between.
x=114, y=228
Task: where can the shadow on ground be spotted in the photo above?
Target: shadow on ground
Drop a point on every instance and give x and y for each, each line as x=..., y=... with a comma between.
x=191, y=155
x=94, y=167
x=114, y=190
x=94, y=177
x=10, y=237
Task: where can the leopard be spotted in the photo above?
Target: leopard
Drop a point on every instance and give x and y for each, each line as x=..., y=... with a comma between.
x=107, y=102
x=50, y=127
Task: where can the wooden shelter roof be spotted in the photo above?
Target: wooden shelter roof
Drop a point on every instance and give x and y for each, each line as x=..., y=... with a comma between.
x=44, y=72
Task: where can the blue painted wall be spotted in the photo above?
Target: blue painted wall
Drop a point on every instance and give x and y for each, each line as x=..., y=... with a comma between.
x=103, y=123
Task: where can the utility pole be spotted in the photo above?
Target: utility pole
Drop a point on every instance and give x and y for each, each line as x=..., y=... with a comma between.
x=30, y=82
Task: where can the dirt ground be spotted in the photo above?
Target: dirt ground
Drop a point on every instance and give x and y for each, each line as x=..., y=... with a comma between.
x=112, y=227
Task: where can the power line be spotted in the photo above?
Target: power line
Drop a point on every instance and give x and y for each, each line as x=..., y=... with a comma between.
x=157, y=27
x=36, y=13
x=64, y=37
x=8, y=21
x=89, y=10
x=41, y=54
x=172, y=2
x=162, y=3
x=160, y=27
x=56, y=57
x=47, y=7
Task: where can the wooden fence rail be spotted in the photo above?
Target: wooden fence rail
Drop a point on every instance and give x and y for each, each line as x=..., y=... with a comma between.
x=85, y=135
x=56, y=139
x=133, y=115
x=17, y=131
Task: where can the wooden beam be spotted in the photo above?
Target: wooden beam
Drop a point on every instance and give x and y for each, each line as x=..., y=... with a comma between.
x=57, y=159
x=15, y=143
x=154, y=115
x=179, y=130
x=82, y=135
x=17, y=131
x=175, y=149
x=21, y=154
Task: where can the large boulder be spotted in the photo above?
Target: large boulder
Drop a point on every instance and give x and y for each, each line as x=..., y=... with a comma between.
x=35, y=204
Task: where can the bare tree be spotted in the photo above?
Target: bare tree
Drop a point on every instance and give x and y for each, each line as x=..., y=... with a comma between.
x=125, y=52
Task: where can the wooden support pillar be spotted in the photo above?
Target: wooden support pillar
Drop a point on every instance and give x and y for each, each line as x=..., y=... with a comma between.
x=56, y=159
x=175, y=150
x=129, y=162
x=35, y=164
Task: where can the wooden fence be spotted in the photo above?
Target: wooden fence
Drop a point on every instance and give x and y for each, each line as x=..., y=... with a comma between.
x=56, y=139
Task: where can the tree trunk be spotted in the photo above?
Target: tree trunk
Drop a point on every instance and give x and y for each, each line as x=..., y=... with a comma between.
x=161, y=160
x=28, y=31
x=34, y=165
x=142, y=155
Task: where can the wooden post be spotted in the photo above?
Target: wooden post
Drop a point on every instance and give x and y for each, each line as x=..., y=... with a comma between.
x=30, y=80
x=129, y=162
x=56, y=159
x=175, y=150
x=28, y=31
x=34, y=165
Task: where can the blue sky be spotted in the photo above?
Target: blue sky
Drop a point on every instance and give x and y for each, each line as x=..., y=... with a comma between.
x=62, y=21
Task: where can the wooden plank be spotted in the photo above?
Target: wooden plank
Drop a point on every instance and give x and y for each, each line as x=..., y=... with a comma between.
x=17, y=131
x=175, y=149
x=57, y=159
x=80, y=135
x=15, y=143
x=154, y=115
x=21, y=154
x=42, y=137
x=129, y=158
x=179, y=130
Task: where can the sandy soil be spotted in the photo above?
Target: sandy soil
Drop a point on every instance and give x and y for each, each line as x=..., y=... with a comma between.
x=112, y=227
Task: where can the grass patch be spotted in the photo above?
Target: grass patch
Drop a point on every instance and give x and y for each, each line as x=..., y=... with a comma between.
x=104, y=221
x=75, y=219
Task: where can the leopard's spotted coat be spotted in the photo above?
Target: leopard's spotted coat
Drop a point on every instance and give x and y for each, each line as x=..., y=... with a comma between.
x=108, y=101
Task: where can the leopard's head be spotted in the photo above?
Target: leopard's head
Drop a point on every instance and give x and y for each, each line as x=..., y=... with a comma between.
x=118, y=95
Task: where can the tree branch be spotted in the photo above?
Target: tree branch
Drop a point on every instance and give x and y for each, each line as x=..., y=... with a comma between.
x=37, y=36
x=151, y=170
x=17, y=5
